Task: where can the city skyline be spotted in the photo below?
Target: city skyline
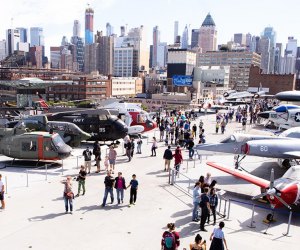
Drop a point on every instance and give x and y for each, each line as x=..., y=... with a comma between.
x=57, y=17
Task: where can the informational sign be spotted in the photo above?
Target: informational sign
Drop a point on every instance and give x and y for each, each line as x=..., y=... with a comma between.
x=181, y=80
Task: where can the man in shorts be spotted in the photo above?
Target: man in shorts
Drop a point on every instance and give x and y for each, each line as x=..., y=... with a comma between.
x=2, y=193
x=112, y=155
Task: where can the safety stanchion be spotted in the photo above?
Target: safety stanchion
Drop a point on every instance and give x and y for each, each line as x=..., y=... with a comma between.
x=187, y=165
x=229, y=203
x=62, y=169
x=252, y=218
x=26, y=178
x=225, y=206
x=172, y=176
x=123, y=147
x=6, y=184
x=46, y=172
x=287, y=234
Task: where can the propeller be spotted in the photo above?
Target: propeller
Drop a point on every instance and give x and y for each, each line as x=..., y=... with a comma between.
x=272, y=191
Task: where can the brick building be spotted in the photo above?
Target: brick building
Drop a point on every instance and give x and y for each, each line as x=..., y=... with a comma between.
x=79, y=89
x=275, y=82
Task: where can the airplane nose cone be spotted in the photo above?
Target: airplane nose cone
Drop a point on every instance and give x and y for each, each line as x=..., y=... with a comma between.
x=264, y=115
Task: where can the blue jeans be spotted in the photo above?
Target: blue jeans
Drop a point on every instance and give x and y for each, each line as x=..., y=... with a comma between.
x=120, y=194
x=67, y=203
x=110, y=191
x=195, y=211
x=191, y=152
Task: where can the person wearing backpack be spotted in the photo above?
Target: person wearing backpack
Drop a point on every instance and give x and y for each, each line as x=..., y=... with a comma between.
x=168, y=156
x=170, y=239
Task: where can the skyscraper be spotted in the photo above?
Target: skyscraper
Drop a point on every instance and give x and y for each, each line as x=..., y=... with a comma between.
x=2, y=49
x=271, y=34
x=240, y=39
x=109, y=29
x=277, y=60
x=36, y=36
x=185, y=38
x=12, y=40
x=23, y=35
x=290, y=55
x=105, y=58
x=156, y=41
x=89, y=26
x=76, y=28
x=264, y=50
x=208, y=35
x=175, y=31
x=195, y=38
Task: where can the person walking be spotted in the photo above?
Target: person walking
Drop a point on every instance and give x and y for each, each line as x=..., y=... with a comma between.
x=112, y=156
x=2, y=190
x=170, y=238
x=218, y=239
x=109, y=184
x=133, y=190
x=178, y=159
x=96, y=150
x=191, y=148
x=87, y=154
x=198, y=244
x=128, y=150
x=154, y=147
x=98, y=159
x=213, y=203
x=139, y=145
x=168, y=156
x=132, y=147
x=68, y=194
x=81, y=180
x=120, y=186
x=194, y=129
x=204, y=204
x=223, y=125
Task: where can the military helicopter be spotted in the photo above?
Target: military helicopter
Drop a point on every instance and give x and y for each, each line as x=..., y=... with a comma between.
x=17, y=143
x=100, y=123
x=69, y=132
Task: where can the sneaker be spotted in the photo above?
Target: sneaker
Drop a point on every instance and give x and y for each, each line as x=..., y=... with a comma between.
x=83, y=193
x=71, y=212
x=122, y=201
x=133, y=203
x=66, y=212
x=77, y=195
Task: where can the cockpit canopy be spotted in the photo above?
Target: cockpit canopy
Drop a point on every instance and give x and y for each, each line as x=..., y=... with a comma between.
x=285, y=108
x=293, y=173
x=235, y=138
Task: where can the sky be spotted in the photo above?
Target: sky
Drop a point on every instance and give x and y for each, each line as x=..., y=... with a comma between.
x=231, y=16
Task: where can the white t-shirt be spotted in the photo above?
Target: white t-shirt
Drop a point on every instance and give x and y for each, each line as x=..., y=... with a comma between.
x=218, y=233
x=1, y=186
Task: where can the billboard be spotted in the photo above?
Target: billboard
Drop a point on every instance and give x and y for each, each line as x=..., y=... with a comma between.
x=182, y=80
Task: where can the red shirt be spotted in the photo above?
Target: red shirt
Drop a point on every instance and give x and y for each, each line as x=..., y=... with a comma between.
x=178, y=158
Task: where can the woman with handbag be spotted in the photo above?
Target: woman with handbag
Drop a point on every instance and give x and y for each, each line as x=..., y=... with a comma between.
x=68, y=194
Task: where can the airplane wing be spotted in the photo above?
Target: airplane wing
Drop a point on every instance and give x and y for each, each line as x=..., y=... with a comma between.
x=293, y=154
x=242, y=175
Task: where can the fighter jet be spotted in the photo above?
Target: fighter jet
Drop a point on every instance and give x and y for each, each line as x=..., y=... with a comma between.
x=283, y=116
x=17, y=143
x=283, y=191
x=286, y=146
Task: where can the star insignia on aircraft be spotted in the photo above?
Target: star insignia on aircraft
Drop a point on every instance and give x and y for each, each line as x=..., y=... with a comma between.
x=297, y=117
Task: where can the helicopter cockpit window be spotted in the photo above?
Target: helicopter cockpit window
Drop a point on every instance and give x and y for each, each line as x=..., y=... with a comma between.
x=142, y=118
x=57, y=141
x=102, y=117
x=48, y=146
x=29, y=146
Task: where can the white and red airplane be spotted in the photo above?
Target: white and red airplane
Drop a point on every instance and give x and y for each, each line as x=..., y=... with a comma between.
x=283, y=191
x=134, y=115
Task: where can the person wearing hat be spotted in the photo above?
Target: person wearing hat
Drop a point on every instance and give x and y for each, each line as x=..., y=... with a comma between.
x=87, y=154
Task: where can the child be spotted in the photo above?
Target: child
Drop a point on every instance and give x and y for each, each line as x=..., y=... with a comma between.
x=167, y=140
x=106, y=163
x=133, y=190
